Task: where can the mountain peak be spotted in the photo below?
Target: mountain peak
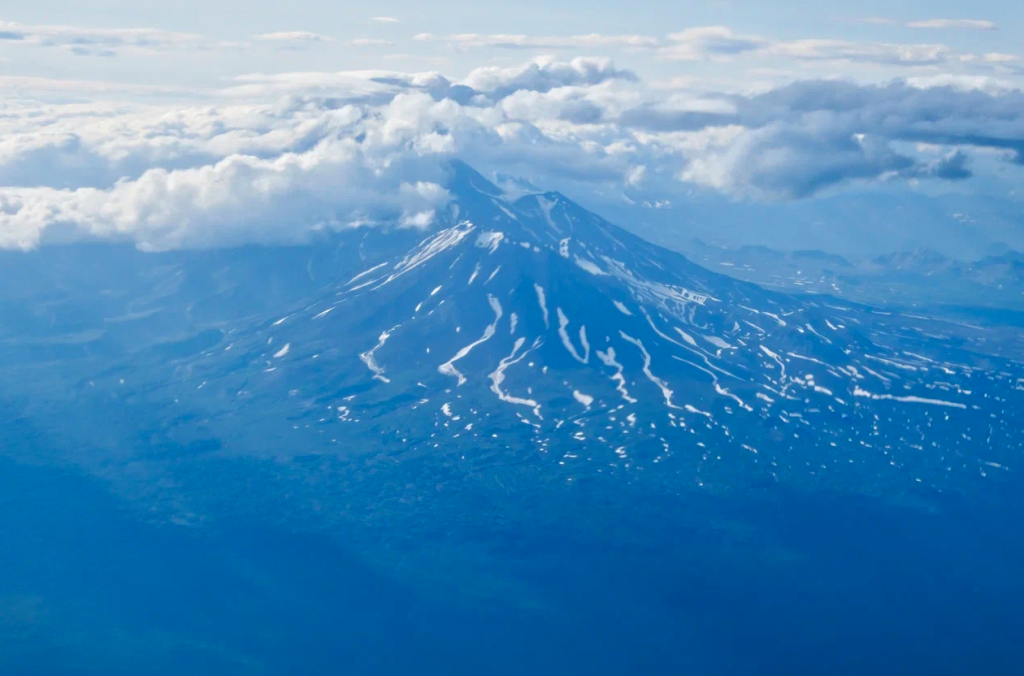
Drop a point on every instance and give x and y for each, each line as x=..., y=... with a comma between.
x=464, y=179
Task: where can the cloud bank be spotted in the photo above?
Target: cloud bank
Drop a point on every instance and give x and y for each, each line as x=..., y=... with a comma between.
x=281, y=158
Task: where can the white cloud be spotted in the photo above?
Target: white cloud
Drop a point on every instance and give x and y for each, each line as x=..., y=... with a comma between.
x=810, y=136
x=470, y=40
x=544, y=74
x=636, y=175
x=338, y=181
x=722, y=43
x=694, y=44
x=29, y=86
x=170, y=177
x=971, y=24
x=291, y=36
x=995, y=57
x=369, y=42
x=983, y=83
x=975, y=24
x=280, y=157
x=384, y=19
x=490, y=82
x=354, y=85
x=875, y=53
x=99, y=41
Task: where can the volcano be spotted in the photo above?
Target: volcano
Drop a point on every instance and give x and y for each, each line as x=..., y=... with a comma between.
x=531, y=328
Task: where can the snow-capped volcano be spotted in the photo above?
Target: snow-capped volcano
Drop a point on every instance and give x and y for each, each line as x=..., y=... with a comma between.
x=532, y=326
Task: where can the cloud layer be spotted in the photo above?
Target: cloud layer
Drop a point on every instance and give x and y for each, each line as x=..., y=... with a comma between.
x=721, y=43
x=97, y=41
x=280, y=158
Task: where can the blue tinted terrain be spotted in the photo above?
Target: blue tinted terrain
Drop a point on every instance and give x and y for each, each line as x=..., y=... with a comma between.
x=524, y=440
x=802, y=581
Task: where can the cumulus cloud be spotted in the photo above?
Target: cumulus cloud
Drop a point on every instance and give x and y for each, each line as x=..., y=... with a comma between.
x=276, y=172
x=543, y=75
x=345, y=179
x=897, y=111
x=782, y=160
x=802, y=138
x=481, y=86
x=280, y=158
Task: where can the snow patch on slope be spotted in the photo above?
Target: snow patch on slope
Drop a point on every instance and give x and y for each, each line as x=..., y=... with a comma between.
x=498, y=377
x=448, y=368
x=543, y=302
x=608, y=359
x=584, y=399
x=563, y=322
x=490, y=240
x=371, y=362
x=665, y=391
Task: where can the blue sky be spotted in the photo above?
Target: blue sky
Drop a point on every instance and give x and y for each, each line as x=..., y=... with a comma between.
x=162, y=123
x=353, y=39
